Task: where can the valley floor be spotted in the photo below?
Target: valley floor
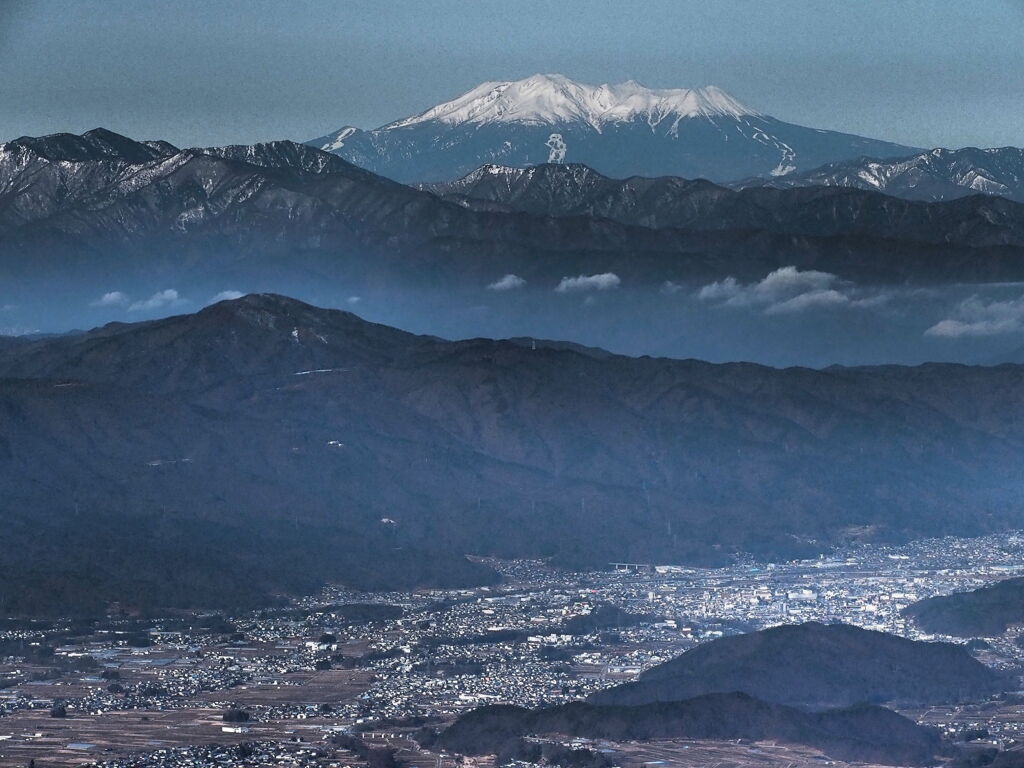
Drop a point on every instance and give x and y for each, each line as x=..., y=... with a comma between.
x=428, y=656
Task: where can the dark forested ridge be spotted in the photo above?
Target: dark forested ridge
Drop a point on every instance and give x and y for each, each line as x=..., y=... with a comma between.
x=863, y=733
x=982, y=612
x=672, y=202
x=230, y=440
x=816, y=665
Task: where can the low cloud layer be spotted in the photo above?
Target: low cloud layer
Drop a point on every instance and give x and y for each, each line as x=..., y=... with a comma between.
x=509, y=282
x=788, y=290
x=976, y=316
x=159, y=300
x=601, y=282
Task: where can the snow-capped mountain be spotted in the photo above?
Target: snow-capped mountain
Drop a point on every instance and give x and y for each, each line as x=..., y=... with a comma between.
x=939, y=174
x=552, y=99
x=620, y=130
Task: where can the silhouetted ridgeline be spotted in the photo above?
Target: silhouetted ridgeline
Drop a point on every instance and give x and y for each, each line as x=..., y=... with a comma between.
x=815, y=665
x=672, y=202
x=863, y=733
x=982, y=612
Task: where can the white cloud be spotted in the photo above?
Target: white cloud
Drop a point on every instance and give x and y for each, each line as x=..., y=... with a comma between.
x=720, y=289
x=354, y=299
x=601, y=282
x=111, y=299
x=226, y=296
x=669, y=287
x=824, y=298
x=509, y=282
x=789, y=281
x=788, y=290
x=876, y=300
x=159, y=300
x=975, y=316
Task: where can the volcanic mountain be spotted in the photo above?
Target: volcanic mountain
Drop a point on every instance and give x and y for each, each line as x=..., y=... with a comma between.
x=622, y=129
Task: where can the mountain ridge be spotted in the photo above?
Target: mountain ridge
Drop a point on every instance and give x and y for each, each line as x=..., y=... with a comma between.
x=472, y=447
x=863, y=733
x=672, y=202
x=934, y=175
x=274, y=198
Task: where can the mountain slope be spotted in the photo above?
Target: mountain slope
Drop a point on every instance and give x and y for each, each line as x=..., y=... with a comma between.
x=333, y=424
x=939, y=174
x=863, y=733
x=815, y=665
x=983, y=612
x=670, y=202
x=621, y=130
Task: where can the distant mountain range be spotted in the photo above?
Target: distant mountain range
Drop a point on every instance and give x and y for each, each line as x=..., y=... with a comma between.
x=112, y=446
x=817, y=666
x=984, y=612
x=620, y=130
x=87, y=209
x=940, y=174
x=98, y=227
x=671, y=202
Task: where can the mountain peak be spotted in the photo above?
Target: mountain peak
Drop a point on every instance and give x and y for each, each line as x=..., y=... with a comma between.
x=272, y=309
x=297, y=322
x=97, y=144
x=553, y=98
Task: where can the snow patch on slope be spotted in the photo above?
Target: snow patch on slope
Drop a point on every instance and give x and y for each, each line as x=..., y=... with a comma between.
x=337, y=140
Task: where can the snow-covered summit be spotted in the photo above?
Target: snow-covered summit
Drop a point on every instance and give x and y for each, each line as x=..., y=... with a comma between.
x=553, y=99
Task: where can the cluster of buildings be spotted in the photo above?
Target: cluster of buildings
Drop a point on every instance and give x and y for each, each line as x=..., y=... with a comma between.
x=525, y=641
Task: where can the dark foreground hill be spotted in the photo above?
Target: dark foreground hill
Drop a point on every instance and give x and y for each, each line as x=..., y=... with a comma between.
x=863, y=733
x=815, y=665
x=982, y=612
x=263, y=445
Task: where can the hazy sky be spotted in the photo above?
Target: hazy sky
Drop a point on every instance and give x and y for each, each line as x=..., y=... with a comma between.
x=941, y=72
